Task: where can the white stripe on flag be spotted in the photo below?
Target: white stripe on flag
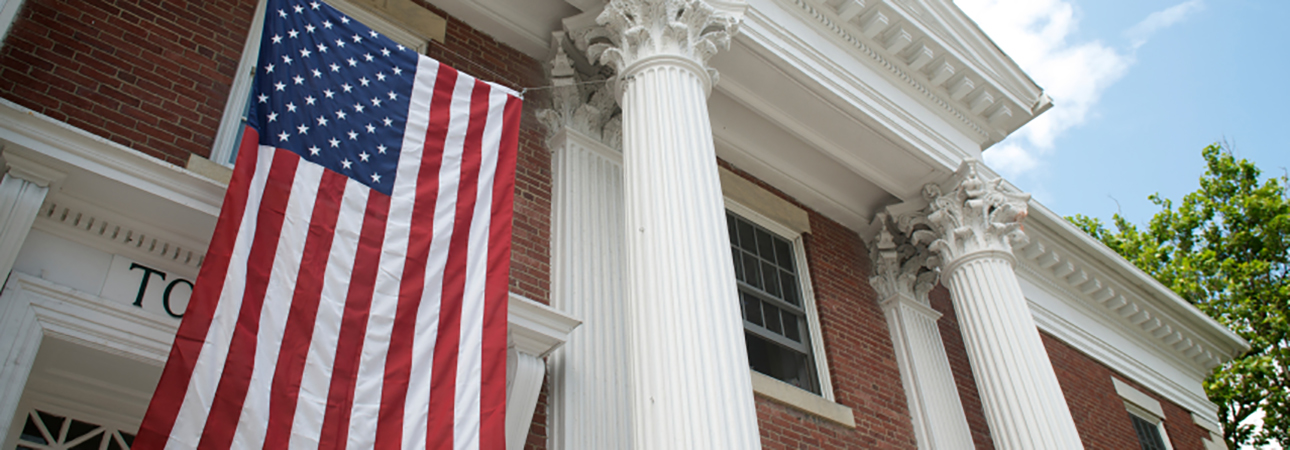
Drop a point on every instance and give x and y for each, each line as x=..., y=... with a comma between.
x=315, y=383
x=416, y=408
x=469, y=364
x=191, y=419
x=254, y=417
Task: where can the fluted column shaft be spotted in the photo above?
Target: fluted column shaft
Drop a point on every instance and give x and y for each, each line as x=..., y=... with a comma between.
x=937, y=412
x=904, y=271
x=977, y=223
x=590, y=403
x=691, y=385
x=1023, y=402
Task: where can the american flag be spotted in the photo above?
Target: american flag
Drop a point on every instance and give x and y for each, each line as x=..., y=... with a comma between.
x=354, y=294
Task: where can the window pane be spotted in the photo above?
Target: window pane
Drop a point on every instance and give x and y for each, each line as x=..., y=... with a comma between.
x=789, y=283
x=735, y=254
x=790, y=326
x=1148, y=433
x=772, y=319
x=783, y=255
x=730, y=227
x=771, y=276
x=765, y=248
x=747, y=239
x=752, y=309
x=752, y=271
x=31, y=433
x=780, y=363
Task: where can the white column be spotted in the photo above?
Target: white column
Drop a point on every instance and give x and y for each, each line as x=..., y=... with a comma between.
x=589, y=400
x=977, y=221
x=904, y=272
x=22, y=191
x=691, y=385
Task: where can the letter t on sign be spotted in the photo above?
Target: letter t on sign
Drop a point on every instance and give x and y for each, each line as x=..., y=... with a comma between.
x=143, y=285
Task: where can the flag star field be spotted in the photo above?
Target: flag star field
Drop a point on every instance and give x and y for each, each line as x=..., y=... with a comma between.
x=334, y=92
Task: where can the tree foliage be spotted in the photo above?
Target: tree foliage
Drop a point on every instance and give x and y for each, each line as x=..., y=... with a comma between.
x=1226, y=249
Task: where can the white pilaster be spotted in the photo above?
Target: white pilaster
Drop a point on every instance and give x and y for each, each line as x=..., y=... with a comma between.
x=22, y=191
x=690, y=381
x=904, y=272
x=976, y=222
x=589, y=401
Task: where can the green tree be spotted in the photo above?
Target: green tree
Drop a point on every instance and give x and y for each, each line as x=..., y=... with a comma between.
x=1226, y=249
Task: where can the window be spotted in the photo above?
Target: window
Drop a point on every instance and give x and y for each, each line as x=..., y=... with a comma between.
x=44, y=430
x=1146, y=415
x=1148, y=430
x=777, y=328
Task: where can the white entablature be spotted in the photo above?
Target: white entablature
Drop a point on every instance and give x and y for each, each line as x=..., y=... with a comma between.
x=933, y=48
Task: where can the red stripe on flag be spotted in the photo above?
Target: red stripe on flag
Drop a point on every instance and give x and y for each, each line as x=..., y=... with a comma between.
x=398, y=361
x=304, y=310
x=226, y=406
x=358, y=303
x=492, y=396
x=439, y=430
x=169, y=396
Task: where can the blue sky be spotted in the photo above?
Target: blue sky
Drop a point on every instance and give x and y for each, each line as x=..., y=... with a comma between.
x=1140, y=87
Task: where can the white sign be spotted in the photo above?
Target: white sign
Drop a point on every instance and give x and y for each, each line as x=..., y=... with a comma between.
x=146, y=287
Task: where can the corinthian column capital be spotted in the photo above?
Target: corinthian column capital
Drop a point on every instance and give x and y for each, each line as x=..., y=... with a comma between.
x=580, y=97
x=903, y=264
x=978, y=215
x=638, y=32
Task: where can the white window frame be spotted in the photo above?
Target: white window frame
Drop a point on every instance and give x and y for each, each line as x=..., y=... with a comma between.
x=1143, y=406
x=804, y=284
x=222, y=150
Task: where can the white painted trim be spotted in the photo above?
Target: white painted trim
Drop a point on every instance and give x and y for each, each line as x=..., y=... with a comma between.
x=806, y=401
x=8, y=13
x=239, y=94
x=66, y=148
x=535, y=328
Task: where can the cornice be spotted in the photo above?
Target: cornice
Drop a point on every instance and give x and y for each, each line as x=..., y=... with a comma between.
x=66, y=149
x=908, y=50
x=1090, y=273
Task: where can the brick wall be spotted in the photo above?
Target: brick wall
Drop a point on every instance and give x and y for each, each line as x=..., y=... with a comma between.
x=149, y=75
x=861, y=359
x=1099, y=412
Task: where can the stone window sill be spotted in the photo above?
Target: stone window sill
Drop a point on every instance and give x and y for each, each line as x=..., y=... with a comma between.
x=806, y=401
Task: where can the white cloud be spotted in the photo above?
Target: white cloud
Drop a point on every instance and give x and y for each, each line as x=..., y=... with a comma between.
x=1162, y=19
x=1037, y=34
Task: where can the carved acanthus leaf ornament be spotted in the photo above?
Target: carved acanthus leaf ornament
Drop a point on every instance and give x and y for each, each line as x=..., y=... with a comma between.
x=903, y=263
x=580, y=98
x=976, y=215
x=636, y=30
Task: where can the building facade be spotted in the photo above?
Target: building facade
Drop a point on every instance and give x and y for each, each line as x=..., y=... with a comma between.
x=738, y=224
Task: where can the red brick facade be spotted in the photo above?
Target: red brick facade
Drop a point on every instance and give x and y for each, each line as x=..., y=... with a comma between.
x=1099, y=412
x=154, y=76
x=148, y=75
